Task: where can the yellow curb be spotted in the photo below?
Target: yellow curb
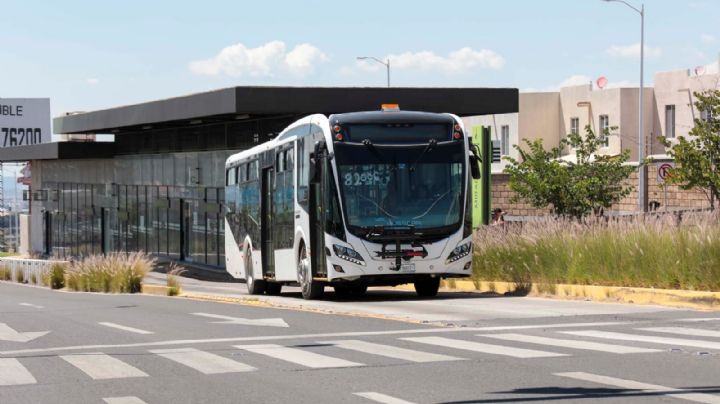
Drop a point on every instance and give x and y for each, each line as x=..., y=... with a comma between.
x=155, y=290
x=665, y=297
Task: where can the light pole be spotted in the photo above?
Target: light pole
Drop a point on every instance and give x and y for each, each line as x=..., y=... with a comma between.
x=642, y=170
x=386, y=63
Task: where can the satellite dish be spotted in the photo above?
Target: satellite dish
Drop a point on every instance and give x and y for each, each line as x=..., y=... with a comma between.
x=602, y=82
x=700, y=70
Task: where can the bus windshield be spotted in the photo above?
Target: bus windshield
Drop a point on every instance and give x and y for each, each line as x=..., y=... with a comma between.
x=415, y=186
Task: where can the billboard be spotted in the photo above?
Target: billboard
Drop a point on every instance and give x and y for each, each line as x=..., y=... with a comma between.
x=24, y=121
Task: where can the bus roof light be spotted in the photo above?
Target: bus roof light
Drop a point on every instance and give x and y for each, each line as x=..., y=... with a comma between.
x=390, y=107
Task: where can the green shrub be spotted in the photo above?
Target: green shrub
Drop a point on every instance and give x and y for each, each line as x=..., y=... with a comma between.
x=55, y=278
x=658, y=252
x=5, y=273
x=115, y=272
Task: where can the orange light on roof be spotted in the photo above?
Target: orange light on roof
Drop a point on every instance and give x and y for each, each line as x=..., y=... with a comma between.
x=390, y=107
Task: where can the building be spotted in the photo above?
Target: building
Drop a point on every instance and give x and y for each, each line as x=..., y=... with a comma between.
x=159, y=187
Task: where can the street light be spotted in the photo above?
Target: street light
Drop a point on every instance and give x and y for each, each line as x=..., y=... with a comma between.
x=642, y=175
x=386, y=63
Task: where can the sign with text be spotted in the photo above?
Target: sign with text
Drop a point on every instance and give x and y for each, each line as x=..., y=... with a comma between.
x=24, y=121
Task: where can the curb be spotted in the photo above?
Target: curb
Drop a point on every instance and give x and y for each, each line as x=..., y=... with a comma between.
x=158, y=290
x=664, y=297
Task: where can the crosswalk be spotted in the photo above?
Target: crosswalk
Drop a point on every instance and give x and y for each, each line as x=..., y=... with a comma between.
x=354, y=353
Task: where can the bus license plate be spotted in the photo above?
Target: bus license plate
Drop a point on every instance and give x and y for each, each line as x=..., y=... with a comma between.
x=407, y=267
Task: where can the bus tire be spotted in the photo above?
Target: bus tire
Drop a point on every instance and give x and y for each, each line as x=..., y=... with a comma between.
x=311, y=289
x=254, y=286
x=427, y=287
x=273, y=288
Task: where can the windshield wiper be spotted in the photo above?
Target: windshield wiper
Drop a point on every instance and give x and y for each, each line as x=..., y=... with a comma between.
x=427, y=148
x=368, y=143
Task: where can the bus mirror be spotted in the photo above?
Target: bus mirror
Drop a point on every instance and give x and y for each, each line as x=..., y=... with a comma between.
x=475, y=167
x=314, y=161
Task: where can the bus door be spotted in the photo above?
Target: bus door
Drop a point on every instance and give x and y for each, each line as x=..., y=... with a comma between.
x=266, y=221
x=318, y=190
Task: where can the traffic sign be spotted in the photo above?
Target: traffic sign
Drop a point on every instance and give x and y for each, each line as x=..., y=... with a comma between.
x=664, y=172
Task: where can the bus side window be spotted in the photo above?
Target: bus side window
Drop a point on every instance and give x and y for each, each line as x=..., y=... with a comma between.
x=231, y=176
x=302, y=173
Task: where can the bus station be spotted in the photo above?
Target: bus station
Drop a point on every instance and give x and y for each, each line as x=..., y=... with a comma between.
x=159, y=187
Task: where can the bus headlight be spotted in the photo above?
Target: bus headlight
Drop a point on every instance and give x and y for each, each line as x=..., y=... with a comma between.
x=460, y=251
x=348, y=254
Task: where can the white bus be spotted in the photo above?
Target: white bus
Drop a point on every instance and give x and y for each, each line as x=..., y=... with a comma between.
x=352, y=200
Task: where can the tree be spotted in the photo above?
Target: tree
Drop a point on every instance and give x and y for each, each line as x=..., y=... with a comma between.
x=593, y=181
x=698, y=158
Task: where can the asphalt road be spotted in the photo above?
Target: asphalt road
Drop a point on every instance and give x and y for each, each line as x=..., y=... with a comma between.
x=62, y=347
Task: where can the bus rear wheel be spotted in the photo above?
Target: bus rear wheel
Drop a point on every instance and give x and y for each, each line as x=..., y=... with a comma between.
x=427, y=287
x=254, y=286
x=311, y=289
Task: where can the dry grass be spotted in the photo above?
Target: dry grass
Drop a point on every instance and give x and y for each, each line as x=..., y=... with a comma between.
x=5, y=273
x=173, y=281
x=116, y=273
x=654, y=251
x=55, y=278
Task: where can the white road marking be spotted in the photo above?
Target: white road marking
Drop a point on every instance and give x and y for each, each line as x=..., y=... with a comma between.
x=125, y=328
x=382, y=398
x=644, y=387
x=100, y=366
x=646, y=338
x=124, y=400
x=35, y=306
x=264, y=338
x=390, y=351
x=700, y=319
x=8, y=334
x=12, y=373
x=263, y=322
x=298, y=356
x=485, y=348
x=695, y=332
x=204, y=362
x=569, y=343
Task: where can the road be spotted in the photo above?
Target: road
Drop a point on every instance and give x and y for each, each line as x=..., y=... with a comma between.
x=62, y=347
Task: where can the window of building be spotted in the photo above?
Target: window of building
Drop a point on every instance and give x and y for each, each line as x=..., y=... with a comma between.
x=505, y=140
x=575, y=125
x=604, y=128
x=706, y=115
x=670, y=121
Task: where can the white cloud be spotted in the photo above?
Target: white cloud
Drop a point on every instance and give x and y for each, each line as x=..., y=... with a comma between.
x=632, y=50
x=265, y=60
x=707, y=38
x=92, y=81
x=575, y=80
x=459, y=61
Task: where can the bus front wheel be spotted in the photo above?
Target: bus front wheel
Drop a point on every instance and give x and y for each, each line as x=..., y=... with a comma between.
x=427, y=287
x=254, y=286
x=311, y=289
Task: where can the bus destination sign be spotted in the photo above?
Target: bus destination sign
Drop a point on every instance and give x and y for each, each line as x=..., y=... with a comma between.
x=24, y=121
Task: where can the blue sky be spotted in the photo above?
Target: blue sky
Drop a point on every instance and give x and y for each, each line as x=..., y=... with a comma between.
x=87, y=55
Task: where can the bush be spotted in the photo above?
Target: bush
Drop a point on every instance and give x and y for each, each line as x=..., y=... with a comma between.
x=116, y=273
x=173, y=282
x=55, y=278
x=20, y=276
x=659, y=252
x=5, y=273
x=33, y=278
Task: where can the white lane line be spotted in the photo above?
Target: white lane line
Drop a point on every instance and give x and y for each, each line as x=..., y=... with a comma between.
x=263, y=322
x=695, y=332
x=485, y=348
x=12, y=373
x=382, y=398
x=569, y=343
x=100, y=366
x=298, y=356
x=35, y=306
x=204, y=362
x=264, y=338
x=646, y=338
x=124, y=400
x=125, y=328
x=644, y=387
x=700, y=319
x=390, y=351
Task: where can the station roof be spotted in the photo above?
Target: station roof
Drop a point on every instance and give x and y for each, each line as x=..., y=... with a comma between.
x=57, y=150
x=235, y=103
